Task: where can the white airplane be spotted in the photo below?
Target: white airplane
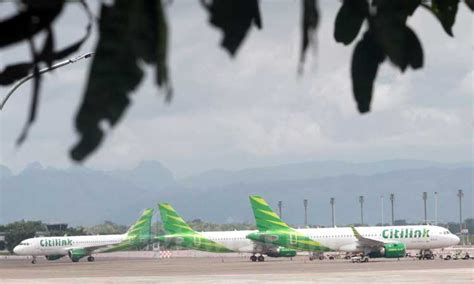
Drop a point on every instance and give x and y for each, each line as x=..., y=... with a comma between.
x=390, y=242
x=77, y=247
x=179, y=233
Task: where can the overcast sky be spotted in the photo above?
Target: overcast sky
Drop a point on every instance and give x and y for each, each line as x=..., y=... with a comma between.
x=255, y=110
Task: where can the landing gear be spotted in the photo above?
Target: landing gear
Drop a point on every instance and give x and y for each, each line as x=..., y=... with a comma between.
x=34, y=260
x=254, y=258
x=90, y=258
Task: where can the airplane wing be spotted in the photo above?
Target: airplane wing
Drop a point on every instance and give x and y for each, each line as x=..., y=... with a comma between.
x=368, y=242
x=122, y=246
x=88, y=250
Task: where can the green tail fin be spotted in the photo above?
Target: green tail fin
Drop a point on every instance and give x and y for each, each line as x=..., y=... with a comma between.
x=172, y=222
x=266, y=219
x=142, y=228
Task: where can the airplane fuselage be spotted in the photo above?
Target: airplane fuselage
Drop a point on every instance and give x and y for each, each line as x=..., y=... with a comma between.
x=62, y=245
x=330, y=239
x=420, y=237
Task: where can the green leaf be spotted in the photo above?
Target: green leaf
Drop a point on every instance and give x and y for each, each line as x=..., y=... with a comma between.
x=37, y=16
x=397, y=40
x=114, y=73
x=35, y=94
x=130, y=32
x=445, y=11
x=48, y=49
x=16, y=71
x=309, y=24
x=470, y=4
x=365, y=62
x=13, y=72
x=162, y=51
x=234, y=18
x=413, y=49
x=410, y=6
x=390, y=35
x=349, y=20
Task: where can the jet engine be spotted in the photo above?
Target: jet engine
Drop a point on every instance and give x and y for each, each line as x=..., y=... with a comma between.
x=53, y=257
x=76, y=254
x=282, y=252
x=390, y=251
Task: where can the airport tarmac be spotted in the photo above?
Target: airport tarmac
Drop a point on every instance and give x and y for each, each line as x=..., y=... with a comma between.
x=236, y=270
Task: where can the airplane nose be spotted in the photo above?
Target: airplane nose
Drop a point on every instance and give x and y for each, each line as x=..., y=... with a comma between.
x=456, y=240
x=16, y=250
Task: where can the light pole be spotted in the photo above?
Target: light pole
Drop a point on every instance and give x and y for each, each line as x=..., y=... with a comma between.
x=436, y=207
x=460, y=195
x=305, y=204
x=332, y=202
x=280, y=205
x=381, y=207
x=392, y=199
x=44, y=70
x=361, y=201
x=425, y=197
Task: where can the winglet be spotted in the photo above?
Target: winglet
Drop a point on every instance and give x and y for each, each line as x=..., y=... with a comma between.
x=172, y=222
x=265, y=218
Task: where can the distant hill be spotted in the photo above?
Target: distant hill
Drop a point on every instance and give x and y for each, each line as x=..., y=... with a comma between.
x=147, y=175
x=5, y=172
x=87, y=197
x=311, y=170
x=78, y=196
x=407, y=185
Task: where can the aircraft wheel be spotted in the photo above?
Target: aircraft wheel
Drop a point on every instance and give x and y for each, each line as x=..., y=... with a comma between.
x=366, y=259
x=253, y=258
x=90, y=258
x=261, y=258
x=33, y=261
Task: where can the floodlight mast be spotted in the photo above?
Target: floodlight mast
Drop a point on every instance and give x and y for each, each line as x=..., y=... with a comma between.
x=392, y=200
x=361, y=201
x=332, y=202
x=305, y=204
x=425, y=197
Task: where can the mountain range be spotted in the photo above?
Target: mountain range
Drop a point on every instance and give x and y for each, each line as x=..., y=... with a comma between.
x=82, y=196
